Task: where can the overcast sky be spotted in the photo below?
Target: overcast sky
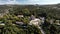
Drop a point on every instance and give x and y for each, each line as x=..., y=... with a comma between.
x=42, y=2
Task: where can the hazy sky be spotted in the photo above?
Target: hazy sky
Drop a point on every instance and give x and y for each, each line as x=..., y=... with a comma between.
x=29, y=1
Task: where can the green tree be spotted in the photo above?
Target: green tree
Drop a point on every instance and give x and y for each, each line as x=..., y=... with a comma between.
x=26, y=12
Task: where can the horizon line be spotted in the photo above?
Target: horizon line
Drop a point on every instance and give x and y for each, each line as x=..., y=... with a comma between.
x=29, y=4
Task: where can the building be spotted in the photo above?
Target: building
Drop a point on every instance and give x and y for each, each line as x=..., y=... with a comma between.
x=35, y=22
x=2, y=23
x=20, y=16
x=32, y=17
x=1, y=14
x=51, y=21
x=20, y=23
x=42, y=19
x=57, y=22
x=6, y=11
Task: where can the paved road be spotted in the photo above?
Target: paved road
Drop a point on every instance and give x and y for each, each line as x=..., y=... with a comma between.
x=41, y=30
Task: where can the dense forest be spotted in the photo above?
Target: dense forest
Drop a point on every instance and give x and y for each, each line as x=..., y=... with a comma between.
x=10, y=13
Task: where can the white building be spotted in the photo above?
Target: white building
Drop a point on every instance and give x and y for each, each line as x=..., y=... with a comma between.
x=57, y=22
x=1, y=14
x=51, y=21
x=17, y=22
x=35, y=22
x=2, y=24
x=20, y=16
x=6, y=11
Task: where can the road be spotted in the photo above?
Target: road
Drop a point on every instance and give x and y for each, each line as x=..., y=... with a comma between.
x=41, y=30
